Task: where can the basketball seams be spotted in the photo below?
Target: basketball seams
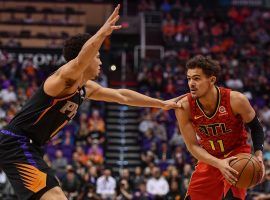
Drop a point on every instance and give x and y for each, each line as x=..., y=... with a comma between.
x=251, y=182
x=242, y=168
x=249, y=174
x=260, y=174
x=256, y=161
x=236, y=161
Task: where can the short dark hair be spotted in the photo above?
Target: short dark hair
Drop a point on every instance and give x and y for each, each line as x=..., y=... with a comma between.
x=73, y=46
x=209, y=66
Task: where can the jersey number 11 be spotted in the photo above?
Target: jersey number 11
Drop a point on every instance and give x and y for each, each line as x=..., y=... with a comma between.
x=220, y=142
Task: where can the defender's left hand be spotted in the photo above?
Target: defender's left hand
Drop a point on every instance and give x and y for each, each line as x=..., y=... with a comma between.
x=173, y=103
x=170, y=104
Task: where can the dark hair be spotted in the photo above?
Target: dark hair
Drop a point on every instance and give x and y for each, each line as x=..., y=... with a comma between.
x=209, y=66
x=73, y=46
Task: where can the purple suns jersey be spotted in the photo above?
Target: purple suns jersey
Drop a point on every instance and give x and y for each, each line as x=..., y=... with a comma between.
x=43, y=116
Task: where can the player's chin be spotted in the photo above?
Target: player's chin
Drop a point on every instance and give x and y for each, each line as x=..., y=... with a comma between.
x=96, y=76
x=194, y=96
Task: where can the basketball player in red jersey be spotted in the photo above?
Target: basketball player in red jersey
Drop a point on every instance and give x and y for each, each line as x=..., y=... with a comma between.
x=53, y=105
x=212, y=121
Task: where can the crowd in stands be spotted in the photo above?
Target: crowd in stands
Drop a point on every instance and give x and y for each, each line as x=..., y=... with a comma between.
x=238, y=38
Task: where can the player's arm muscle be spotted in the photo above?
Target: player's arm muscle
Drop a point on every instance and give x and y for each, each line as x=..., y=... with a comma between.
x=68, y=74
x=241, y=106
x=189, y=135
x=58, y=82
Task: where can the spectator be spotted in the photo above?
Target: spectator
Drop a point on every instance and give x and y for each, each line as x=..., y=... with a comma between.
x=235, y=83
x=92, y=175
x=8, y=95
x=157, y=184
x=177, y=139
x=59, y=164
x=96, y=126
x=142, y=194
x=125, y=192
x=82, y=157
x=95, y=153
x=83, y=130
x=146, y=123
x=71, y=183
x=138, y=178
x=89, y=193
x=174, y=193
x=168, y=28
x=160, y=131
x=106, y=186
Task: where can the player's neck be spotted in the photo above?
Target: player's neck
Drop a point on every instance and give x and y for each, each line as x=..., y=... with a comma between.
x=209, y=101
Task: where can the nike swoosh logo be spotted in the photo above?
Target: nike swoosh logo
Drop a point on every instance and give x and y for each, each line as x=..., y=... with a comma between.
x=198, y=116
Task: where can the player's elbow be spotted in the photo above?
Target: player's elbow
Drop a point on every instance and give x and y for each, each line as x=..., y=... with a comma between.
x=123, y=100
x=79, y=62
x=192, y=148
x=189, y=147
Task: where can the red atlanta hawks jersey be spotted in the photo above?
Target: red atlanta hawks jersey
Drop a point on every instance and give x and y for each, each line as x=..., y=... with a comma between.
x=222, y=132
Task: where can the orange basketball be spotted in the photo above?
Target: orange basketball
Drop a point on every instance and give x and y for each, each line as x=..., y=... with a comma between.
x=249, y=169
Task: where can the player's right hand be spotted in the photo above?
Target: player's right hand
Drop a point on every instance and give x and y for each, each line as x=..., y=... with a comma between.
x=109, y=25
x=227, y=171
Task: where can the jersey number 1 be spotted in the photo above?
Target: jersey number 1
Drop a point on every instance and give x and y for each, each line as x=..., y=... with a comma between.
x=220, y=142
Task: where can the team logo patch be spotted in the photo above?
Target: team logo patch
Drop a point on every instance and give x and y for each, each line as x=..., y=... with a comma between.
x=222, y=109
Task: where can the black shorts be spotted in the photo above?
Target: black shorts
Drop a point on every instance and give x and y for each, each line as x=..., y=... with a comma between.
x=23, y=163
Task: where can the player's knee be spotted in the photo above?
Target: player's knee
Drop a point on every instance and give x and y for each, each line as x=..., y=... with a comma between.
x=54, y=194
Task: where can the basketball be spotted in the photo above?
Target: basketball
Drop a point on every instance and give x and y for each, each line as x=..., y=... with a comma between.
x=249, y=169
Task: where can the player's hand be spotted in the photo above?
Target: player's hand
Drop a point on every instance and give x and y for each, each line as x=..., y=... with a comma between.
x=173, y=103
x=109, y=25
x=227, y=171
x=259, y=156
x=177, y=99
x=170, y=104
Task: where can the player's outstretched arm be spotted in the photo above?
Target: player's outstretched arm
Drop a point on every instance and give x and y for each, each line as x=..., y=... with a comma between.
x=189, y=136
x=124, y=96
x=67, y=75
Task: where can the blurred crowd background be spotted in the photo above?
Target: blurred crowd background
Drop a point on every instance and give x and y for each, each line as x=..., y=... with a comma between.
x=238, y=37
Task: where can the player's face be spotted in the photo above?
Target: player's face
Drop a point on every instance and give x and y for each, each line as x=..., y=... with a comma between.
x=94, y=68
x=199, y=84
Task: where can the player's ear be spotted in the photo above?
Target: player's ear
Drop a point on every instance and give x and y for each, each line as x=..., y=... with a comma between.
x=213, y=80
